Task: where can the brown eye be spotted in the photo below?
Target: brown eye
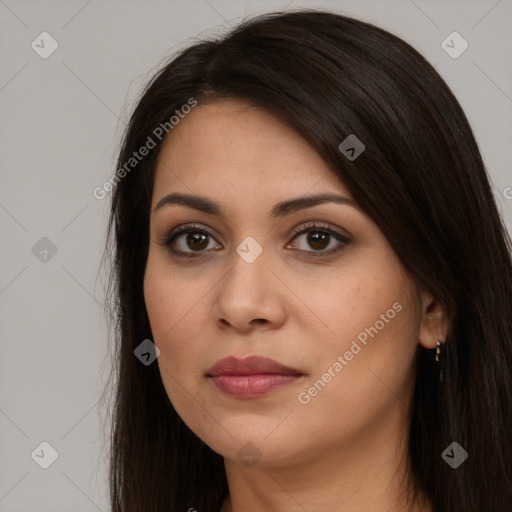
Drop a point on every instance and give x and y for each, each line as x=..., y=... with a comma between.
x=196, y=241
x=320, y=239
x=188, y=241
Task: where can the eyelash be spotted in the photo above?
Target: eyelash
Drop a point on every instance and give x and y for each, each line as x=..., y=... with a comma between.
x=312, y=226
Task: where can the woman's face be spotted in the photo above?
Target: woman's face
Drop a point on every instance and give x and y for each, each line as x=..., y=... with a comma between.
x=314, y=286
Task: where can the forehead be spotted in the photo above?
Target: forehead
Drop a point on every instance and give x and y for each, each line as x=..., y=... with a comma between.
x=235, y=151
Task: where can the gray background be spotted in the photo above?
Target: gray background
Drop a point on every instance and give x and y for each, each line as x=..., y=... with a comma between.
x=61, y=119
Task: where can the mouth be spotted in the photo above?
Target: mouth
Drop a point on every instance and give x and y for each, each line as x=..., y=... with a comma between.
x=251, y=377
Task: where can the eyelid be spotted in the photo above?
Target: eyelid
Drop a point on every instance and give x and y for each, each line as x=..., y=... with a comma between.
x=184, y=228
x=320, y=225
x=333, y=232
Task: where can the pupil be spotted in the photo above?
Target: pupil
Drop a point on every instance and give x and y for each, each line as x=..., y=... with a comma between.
x=317, y=237
x=196, y=237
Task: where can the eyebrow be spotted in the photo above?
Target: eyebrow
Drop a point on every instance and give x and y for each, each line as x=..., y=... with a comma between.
x=281, y=209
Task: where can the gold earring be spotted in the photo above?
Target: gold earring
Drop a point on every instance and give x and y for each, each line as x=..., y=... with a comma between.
x=438, y=350
x=439, y=363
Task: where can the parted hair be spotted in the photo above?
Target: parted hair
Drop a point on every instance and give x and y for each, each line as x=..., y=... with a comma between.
x=421, y=179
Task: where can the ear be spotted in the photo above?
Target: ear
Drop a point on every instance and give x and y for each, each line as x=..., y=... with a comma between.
x=433, y=321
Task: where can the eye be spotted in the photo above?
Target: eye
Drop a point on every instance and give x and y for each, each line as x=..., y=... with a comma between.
x=196, y=239
x=320, y=236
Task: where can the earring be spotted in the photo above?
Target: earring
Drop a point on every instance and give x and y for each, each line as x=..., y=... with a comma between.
x=439, y=359
x=438, y=350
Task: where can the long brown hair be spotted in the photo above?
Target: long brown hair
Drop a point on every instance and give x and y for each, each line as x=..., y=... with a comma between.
x=421, y=179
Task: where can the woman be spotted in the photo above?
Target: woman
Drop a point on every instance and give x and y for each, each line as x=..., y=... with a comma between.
x=304, y=233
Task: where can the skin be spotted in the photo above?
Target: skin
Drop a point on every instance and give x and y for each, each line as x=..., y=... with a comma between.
x=346, y=448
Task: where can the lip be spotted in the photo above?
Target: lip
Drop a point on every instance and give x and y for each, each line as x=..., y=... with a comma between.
x=251, y=377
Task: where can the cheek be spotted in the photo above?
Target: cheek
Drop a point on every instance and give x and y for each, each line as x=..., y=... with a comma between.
x=369, y=319
x=177, y=311
x=372, y=380
x=167, y=312
x=177, y=314
x=336, y=311
x=167, y=296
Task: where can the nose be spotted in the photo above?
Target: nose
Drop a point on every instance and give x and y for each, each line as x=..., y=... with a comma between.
x=250, y=296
